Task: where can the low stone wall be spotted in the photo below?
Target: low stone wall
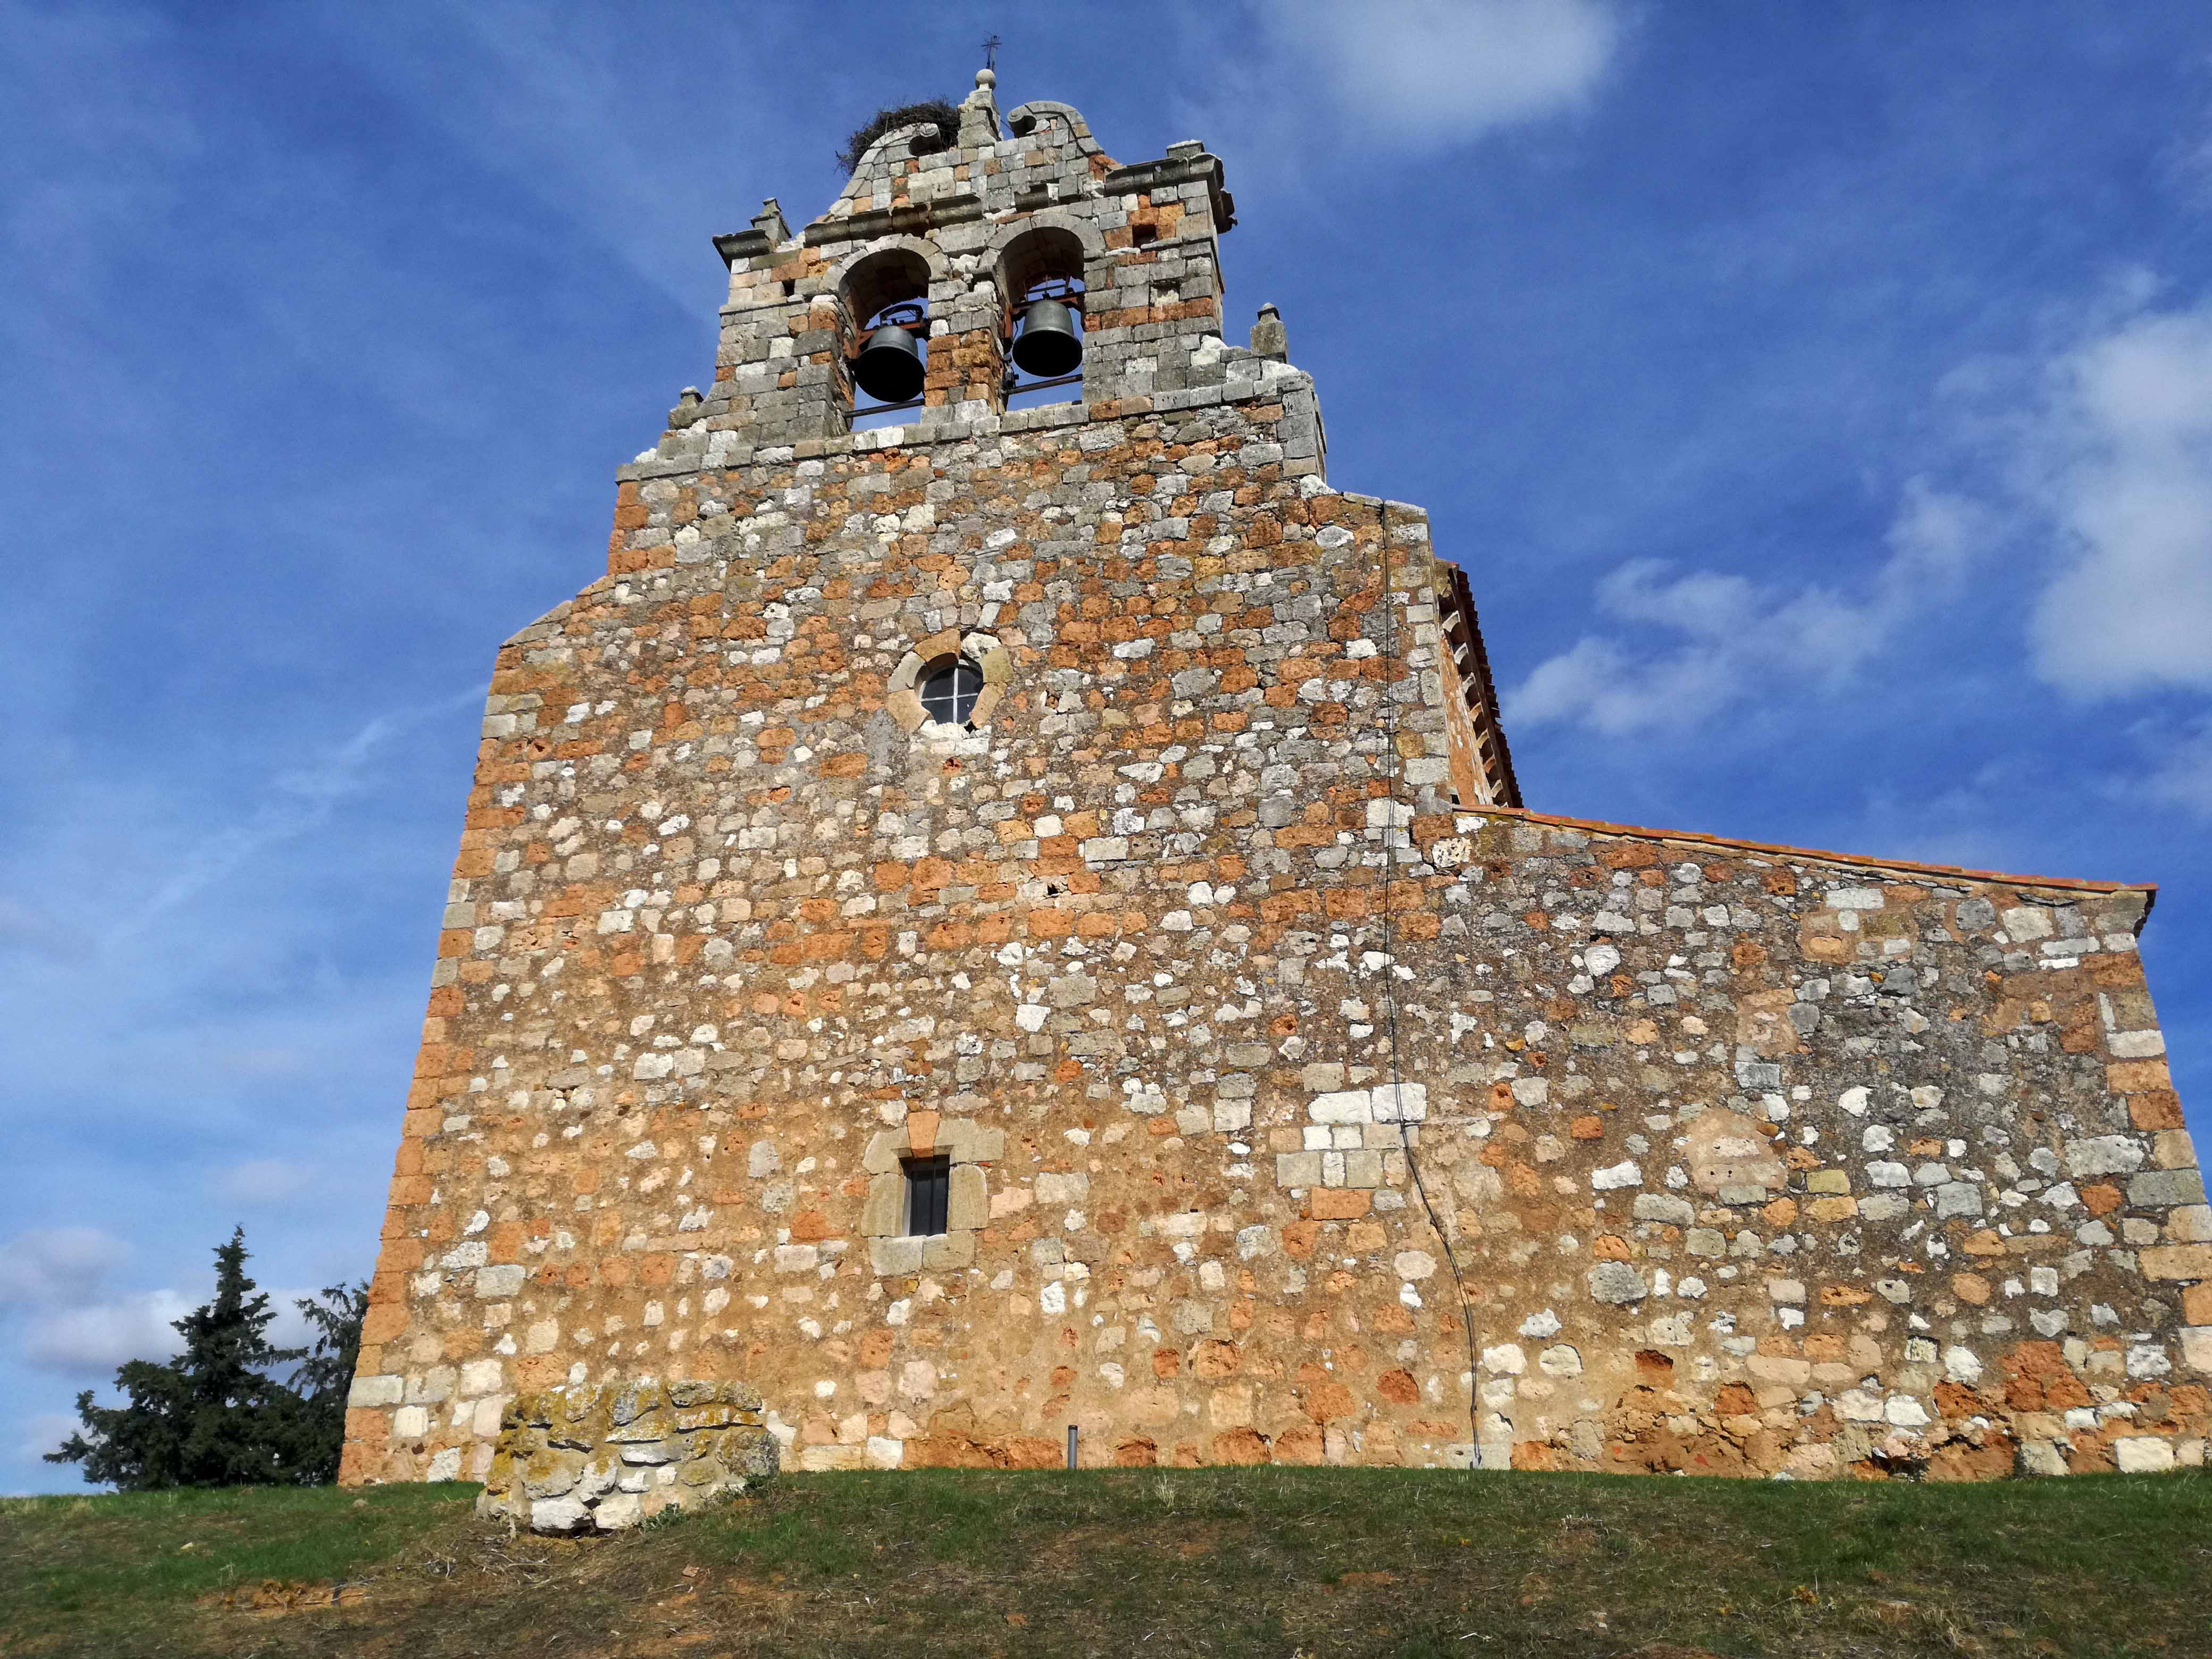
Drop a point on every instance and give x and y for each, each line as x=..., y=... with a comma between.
x=605, y=1456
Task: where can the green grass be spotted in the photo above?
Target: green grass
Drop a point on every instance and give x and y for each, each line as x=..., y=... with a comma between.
x=1318, y=1562
x=70, y=1566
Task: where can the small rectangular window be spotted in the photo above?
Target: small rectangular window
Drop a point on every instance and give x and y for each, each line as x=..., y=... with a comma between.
x=928, y=1188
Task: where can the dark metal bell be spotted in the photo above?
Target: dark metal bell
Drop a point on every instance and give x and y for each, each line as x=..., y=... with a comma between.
x=889, y=368
x=1048, y=345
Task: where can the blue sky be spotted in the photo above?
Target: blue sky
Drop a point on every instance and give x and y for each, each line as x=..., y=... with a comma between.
x=1819, y=398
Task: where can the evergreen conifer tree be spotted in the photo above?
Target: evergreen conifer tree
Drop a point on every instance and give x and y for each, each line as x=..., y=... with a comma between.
x=217, y=1414
x=325, y=1375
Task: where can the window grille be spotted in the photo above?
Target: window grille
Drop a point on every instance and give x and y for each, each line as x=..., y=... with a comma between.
x=928, y=1190
x=948, y=691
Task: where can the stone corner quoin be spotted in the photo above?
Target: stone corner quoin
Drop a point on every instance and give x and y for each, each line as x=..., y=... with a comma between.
x=1217, y=923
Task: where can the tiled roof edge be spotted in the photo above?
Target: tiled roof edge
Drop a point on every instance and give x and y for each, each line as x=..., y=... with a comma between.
x=2148, y=888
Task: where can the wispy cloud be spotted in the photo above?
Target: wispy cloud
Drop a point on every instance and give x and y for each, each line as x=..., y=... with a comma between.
x=2098, y=446
x=2087, y=459
x=262, y=1182
x=1425, y=73
x=52, y=1281
x=98, y=165
x=2181, y=768
x=1303, y=95
x=88, y=1340
x=173, y=970
x=94, y=1338
x=550, y=98
x=293, y=803
x=1711, y=639
x=59, y=1313
x=51, y=1265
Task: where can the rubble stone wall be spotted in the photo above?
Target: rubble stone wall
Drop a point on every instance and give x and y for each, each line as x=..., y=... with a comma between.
x=602, y=1456
x=1736, y=1159
x=1795, y=1164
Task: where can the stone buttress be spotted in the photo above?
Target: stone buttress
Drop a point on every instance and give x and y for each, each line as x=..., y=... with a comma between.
x=1219, y=912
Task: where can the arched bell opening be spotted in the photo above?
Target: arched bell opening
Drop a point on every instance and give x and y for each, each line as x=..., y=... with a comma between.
x=886, y=315
x=1041, y=276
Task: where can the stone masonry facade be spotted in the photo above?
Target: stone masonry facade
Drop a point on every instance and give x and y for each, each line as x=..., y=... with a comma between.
x=1303, y=1098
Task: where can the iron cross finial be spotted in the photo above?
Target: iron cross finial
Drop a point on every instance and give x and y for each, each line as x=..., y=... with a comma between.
x=991, y=53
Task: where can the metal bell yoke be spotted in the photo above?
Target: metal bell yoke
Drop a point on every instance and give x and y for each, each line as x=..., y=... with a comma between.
x=1049, y=344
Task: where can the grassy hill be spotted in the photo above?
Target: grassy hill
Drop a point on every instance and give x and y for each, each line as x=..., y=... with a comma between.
x=1280, y=1562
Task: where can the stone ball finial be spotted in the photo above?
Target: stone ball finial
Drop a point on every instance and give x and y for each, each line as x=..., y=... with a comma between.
x=987, y=78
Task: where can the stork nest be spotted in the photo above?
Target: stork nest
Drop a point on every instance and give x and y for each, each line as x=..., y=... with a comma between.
x=936, y=111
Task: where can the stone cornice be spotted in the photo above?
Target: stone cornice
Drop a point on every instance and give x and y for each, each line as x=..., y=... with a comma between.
x=910, y=219
x=956, y=429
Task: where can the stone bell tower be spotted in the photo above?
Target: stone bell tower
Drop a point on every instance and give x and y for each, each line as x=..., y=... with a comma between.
x=745, y=928
x=969, y=228
x=986, y=921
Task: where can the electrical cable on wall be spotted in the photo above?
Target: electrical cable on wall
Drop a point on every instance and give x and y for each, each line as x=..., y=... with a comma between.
x=1390, y=992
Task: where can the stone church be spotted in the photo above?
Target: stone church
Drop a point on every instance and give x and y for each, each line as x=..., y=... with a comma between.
x=999, y=916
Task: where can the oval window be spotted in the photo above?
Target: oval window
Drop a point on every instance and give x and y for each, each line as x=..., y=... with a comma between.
x=948, y=691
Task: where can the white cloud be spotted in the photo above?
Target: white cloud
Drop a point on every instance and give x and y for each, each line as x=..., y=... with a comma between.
x=2119, y=459
x=1734, y=638
x=99, y=1336
x=91, y=1339
x=262, y=1181
x=2098, y=448
x=1444, y=70
x=57, y=1264
x=2088, y=457
x=1596, y=683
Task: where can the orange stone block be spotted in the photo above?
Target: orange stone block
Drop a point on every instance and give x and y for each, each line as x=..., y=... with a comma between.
x=2156, y=1109
x=1325, y=1401
x=2131, y=1077
x=2176, y=1261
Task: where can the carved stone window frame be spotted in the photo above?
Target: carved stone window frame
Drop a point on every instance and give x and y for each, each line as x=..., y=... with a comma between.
x=972, y=1149
x=990, y=659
